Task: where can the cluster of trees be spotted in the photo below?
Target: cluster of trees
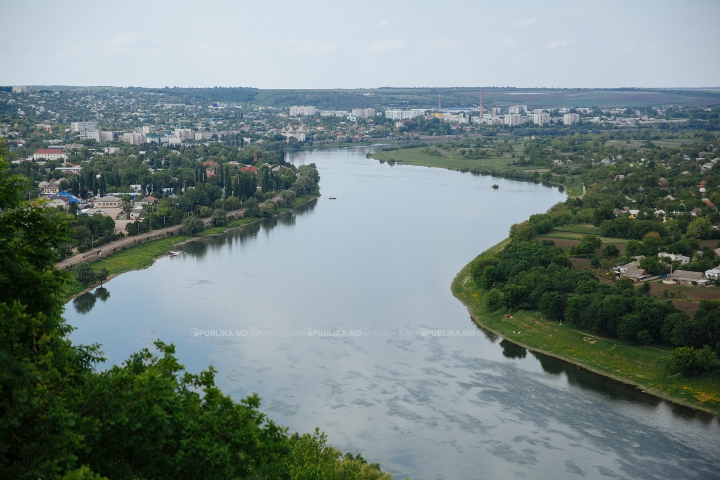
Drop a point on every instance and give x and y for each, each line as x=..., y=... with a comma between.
x=539, y=276
x=144, y=418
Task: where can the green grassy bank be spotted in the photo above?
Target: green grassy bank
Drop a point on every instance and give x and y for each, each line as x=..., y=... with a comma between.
x=144, y=255
x=636, y=365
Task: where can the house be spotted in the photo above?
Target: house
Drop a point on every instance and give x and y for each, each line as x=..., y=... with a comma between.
x=50, y=154
x=50, y=188
x=108, y=202
x=713, y=273
x=686, y=277
x=675, y=257
x=249, y=169
x=58, y=201
x=632, y=271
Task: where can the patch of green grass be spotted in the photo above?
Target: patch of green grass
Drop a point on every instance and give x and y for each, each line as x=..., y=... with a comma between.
x=569, y=235
x=579, y=228
x=450, y=160
x=644, y=367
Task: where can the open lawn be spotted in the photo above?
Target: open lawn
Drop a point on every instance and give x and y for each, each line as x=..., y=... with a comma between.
x=451, y=161
x=637, y=365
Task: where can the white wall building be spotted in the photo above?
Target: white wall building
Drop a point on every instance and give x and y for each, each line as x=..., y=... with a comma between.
x=50, y=154
x=79, y=127
x=20, y=89
x=512, y=119
x=570, y=118
x=541, y=118
x=305, y=110
x=185, y=133
x=134, y=138
x=363, y=112
x=517, y=109
x=396, y=114
x=334, y=113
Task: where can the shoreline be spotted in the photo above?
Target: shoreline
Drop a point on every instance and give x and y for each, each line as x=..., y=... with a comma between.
x=181, y=241
x=463, y=276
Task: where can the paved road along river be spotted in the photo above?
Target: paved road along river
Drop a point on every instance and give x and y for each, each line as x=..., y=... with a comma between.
x=374, y=267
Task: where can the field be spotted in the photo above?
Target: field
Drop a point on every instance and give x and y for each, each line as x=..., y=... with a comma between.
x=636, y=365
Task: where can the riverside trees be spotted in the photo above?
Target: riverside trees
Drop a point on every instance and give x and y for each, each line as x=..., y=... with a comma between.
x=144, y=418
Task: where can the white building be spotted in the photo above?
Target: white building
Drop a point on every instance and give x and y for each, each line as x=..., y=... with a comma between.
x=675, y=257
x=185, y=133
x=100, y=136
x=517, y=109
x=570, y=118
x=541, y=118
x=306, y=110
x=396, y=114
x=334, y=113
x=20, y=89
x=50, y=154
x=460, y=118
x=512, y=119
x=108, y=202
x=134, y=138
x=363, y=112
x=83, y=126
x=203, y=135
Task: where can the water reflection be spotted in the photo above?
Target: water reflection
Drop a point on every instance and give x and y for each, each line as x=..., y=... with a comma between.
x=511, y=350
x=86, y=302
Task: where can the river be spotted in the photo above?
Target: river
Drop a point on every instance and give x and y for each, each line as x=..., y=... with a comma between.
x=329, y=309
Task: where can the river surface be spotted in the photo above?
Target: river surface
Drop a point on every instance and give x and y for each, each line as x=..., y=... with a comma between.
x=374, y=268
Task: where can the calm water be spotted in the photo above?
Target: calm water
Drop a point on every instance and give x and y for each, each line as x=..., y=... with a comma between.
x=378, y=261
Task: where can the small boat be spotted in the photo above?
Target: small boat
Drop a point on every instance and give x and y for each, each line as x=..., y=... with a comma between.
x=333, y=198
x=495, y=186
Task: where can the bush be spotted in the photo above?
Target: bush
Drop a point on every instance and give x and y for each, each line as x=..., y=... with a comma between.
x=219, y=217
x=690, y=361
x=192, y=225
x=268, y=209
x=84, y=274
x=494, y=299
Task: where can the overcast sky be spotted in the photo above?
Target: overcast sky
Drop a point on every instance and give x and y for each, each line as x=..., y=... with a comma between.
x=343, y=44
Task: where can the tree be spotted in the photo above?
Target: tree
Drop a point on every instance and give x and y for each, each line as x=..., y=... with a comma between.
x=102, y=275
x=588, y=245
x=219, y=217
x=192, y=225
x=513, y=295
x=84, y=274
x=610, y=251
x=268, y=209
x=700, y=228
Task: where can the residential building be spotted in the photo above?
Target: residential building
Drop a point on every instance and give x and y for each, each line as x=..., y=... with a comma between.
x=333, y=113
x=134, y=138
x=512, y=119
x=686, y=277
x=20, y=89
x=57, y=201
x=49, y=188
x=100, y=136
x=203, y=136
x=675, y=257
x=305, y=110
x=50, y=154
x=541, y=118
x=108, y=202
x=517, y=109
x=82, y=126
x=299, y=133
x=363, y=112
x=396, y=114
x=185, y=133
x=632, y=271
x=570, y=118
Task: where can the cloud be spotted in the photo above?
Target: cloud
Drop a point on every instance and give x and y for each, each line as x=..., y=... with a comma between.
x=126, y=39
x=380, y=24
x=507, y=42
x=445, y=43
x=386, y=46
x=310, y=46
x=557, y=43
x=525, y=23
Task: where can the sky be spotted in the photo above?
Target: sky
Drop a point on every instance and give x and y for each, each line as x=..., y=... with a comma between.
x=368, y=44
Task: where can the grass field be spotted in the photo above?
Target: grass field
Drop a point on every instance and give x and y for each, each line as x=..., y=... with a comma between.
x=644, y=367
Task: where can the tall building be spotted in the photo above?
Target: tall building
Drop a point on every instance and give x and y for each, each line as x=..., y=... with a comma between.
x=541, y=118
x=363, y=112
x=305, y=110
x=513, y=119
x=570, y=118
x=517, y=109
x=20, y=89
x=100, y=136
x=134, y=138
x=83, y=126
x=396, y=114
x=185, y=133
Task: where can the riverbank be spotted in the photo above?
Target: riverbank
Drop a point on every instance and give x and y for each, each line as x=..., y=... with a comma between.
x=494, y=166
x=643, y=367
x=145, y=254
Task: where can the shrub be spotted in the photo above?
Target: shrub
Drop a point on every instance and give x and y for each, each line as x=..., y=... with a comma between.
x=192, y=225
x=494, y=299
x=690, y=361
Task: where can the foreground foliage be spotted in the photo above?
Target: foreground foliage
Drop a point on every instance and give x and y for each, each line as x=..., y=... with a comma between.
x=146, y=418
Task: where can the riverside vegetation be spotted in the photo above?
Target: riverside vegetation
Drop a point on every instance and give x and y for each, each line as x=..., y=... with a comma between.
x=145, y=418
x=561, y=299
